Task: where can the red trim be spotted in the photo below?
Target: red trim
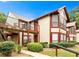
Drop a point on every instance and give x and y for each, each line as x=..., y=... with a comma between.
x=39, y=34
x=50, y=28
x=59, y=29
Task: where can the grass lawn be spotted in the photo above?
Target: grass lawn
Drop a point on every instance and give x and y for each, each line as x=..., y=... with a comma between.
x=61, y=52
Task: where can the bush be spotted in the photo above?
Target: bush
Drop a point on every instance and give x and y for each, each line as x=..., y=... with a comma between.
x=0, y=46
x=51, y=45
x=66, y=44
x=7, y=47
x=44, y=44
x=35, y=47
x=18, y=48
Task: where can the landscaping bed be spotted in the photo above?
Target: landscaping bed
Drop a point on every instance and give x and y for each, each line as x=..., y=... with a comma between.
x=18, y=55
x=10, y=49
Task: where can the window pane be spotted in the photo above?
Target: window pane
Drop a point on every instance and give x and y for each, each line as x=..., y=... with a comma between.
x=55, y=38
x=61, y=37
x=64, y=38
x=55, y=20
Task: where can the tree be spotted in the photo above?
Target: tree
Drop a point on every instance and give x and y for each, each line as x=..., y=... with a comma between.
x=2, y=20
x=74, y=15
x=2, y=17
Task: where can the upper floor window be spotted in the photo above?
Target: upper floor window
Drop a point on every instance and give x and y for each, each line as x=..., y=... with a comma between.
x=23, y=25
x=62, y=22
x=55, y=20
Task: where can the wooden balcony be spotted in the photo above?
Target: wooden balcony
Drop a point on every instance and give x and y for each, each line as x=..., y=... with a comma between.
x=10, y=28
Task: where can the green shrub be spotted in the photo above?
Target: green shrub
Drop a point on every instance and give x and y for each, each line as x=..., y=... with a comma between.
x=0, y=46
x=44, y=44
x=51, y=45
x=35, y=47
x=18, y=48
x=66, y=44
x=7, y=47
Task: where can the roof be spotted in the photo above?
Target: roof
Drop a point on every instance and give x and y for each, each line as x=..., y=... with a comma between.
x=13, y=15
x=71, y=24
x=53, y=12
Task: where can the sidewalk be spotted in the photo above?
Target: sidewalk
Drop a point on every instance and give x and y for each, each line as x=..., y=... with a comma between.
x=34, y=54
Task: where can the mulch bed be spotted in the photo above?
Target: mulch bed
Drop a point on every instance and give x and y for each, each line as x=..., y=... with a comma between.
x=14, y=54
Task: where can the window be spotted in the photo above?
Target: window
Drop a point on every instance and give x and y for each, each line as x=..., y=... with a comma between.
x=72, y=30
x=25, y=38
x=24, y=25
x=62, y=22
x=62, y=37
x=55, y=38
x=55, y=20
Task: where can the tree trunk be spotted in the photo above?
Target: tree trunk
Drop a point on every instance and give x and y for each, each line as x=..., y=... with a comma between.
x=2, y=34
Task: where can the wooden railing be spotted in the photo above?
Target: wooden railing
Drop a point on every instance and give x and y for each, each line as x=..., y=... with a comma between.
x=66, y=49
x=15, y=28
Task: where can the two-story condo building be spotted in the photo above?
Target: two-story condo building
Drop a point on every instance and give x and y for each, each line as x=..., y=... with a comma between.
x=50, y=27
x=25, y=32
x=53, y=26
x=71, y=31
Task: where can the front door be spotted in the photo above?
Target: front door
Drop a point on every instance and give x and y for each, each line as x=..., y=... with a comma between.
x=35, y=38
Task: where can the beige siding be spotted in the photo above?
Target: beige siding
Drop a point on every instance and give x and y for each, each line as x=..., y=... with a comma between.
x=77, y=37
x=63, y=31
x=32, y=25
x=44, y=24
x=54, y=29
x=32, y=37
x=12, y=20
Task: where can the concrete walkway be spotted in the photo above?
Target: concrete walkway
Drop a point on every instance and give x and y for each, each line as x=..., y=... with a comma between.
x=34, y=54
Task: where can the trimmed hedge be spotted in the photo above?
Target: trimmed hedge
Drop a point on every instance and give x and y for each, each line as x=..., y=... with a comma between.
x=35, y=47
x=51, y=45
x=64, y=44
x=44, y=44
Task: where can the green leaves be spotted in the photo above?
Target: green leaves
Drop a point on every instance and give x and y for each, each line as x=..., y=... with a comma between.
x=74, y=15
x=2, y=17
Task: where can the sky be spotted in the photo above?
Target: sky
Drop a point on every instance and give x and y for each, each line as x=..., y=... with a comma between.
x=34, y=9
